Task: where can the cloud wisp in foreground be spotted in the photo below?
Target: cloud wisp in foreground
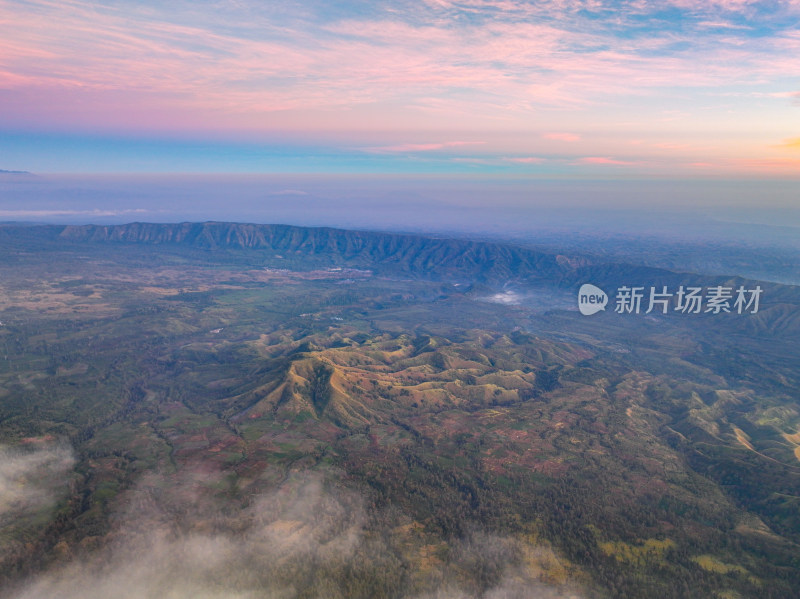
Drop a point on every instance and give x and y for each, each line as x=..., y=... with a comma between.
x=307, y=537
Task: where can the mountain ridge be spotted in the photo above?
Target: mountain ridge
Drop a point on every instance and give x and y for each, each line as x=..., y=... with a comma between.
x=413, y=253
x=437, y=258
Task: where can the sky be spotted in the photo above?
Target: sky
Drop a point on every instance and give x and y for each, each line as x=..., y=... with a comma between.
x=554, y=88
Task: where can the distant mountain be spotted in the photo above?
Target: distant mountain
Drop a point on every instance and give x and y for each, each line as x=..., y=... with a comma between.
x=454, y=260
x=409, y=253
x=475, y=261
x=4, y=172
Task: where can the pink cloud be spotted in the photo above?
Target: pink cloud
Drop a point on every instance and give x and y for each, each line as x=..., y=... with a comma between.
x=722, y=25
x=373, y=80
x=794, y=95
x=781, y=167
x=604, y=161
x=518, y=65
x=672, y=146
x=474, y=161
x=767, y=165
x=427, y=147
x=562, y=136
x=526, y=160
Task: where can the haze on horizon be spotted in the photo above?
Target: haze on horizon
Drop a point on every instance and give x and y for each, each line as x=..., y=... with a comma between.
x=759, y=213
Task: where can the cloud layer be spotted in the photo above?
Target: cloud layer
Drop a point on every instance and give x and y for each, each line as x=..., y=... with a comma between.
x=713, y=77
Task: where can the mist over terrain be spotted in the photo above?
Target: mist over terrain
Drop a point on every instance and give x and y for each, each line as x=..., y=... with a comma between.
x=35, y=477
x=750, y=228
x=32, y=477
x=298, y=539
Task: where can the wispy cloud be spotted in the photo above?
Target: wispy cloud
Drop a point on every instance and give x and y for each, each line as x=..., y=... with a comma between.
x=29, y=474
x=34, y=475
x=424, y=147
x=526, y=160
x=769, y=165
x=306, y=537
x=80, y=48
x=793, y=144
x=562, y=136
x=722, y=25
x=558, y=70
x=603, y=160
